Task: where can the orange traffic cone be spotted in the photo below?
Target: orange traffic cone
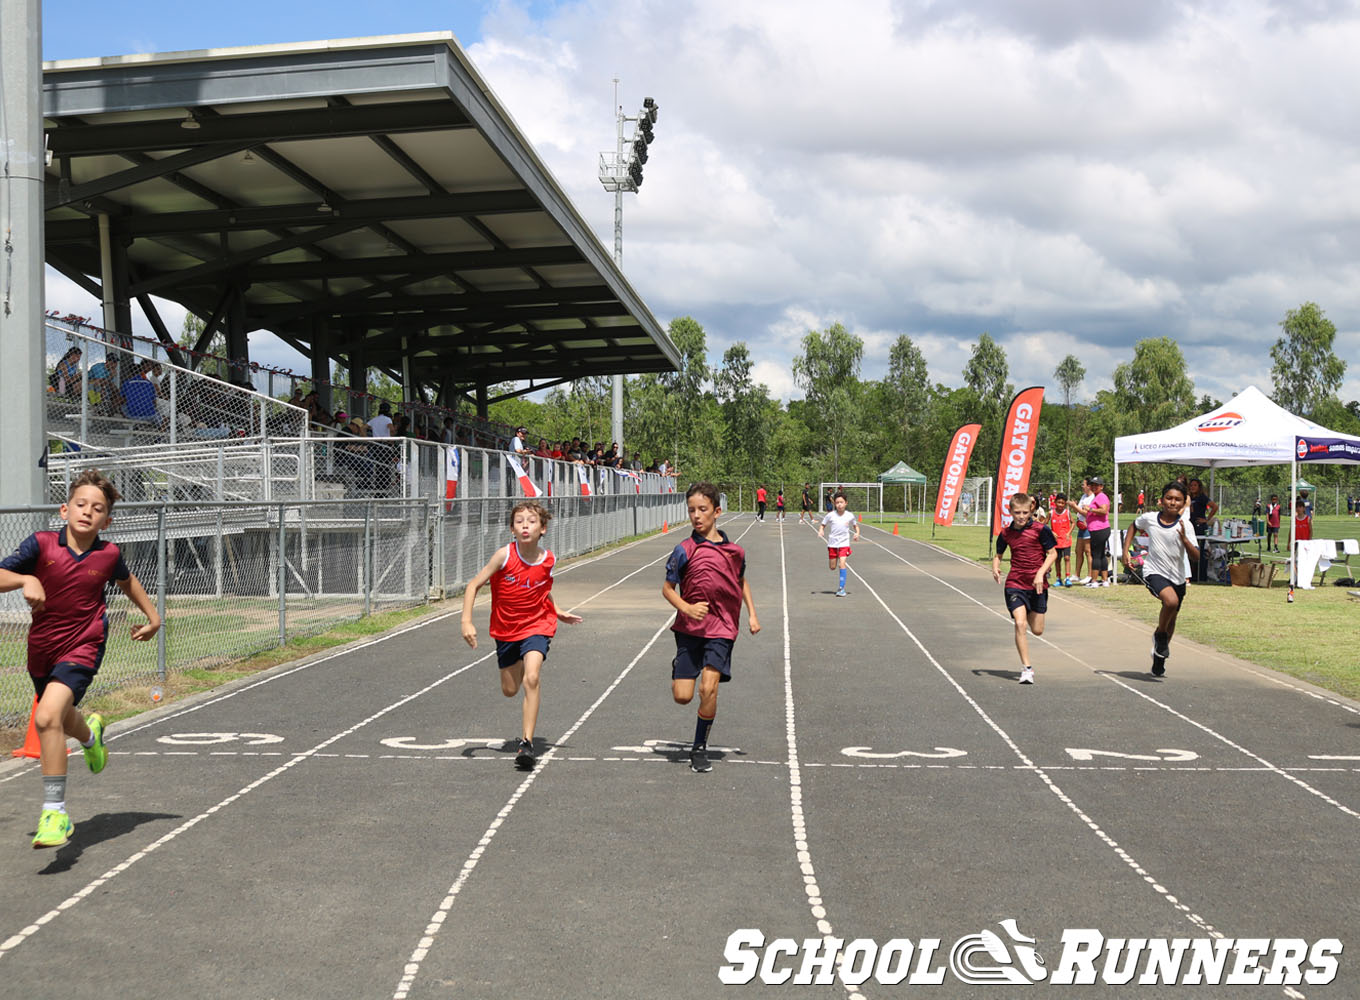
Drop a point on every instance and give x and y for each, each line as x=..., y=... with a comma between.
x=665, y=527
x=895, y=531
x=31, y=747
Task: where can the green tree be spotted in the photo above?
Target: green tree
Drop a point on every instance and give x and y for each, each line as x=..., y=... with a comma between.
x=825, y=372
x=1151, y=392
x=1307, y=373
x=1069, y=374
x=189, y=332
x=985, y=377
x=907, y=387
x=745, y=406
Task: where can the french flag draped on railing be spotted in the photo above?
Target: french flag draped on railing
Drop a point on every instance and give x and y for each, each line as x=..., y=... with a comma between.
x=955, y=469
x=525, y=483
x=630, y=474
x=584, y=477
x=451, y=461
x=1018, y=435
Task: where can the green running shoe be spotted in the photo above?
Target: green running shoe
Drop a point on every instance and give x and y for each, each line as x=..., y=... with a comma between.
x=54, y=829
x=96, y=755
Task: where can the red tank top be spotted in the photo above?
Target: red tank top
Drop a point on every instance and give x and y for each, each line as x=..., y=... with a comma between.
x=521, y=597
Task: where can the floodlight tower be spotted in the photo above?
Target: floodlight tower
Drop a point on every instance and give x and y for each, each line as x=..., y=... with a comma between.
x=620, y=171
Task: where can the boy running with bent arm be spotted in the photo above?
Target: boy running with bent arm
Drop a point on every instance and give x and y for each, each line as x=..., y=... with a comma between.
x=706, y=584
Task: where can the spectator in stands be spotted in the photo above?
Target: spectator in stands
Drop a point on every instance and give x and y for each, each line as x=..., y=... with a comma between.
x=382, y=423
x=103, y=379
x=556, y=449
x=65, y=377
x=543, y=451
x=636, y=463
x=447, y=434
x=139, y=394
x=518, y=444
x=401, y=428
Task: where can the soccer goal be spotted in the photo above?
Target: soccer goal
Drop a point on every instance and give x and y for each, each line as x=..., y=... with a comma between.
x=975, y=501
x=863, y=499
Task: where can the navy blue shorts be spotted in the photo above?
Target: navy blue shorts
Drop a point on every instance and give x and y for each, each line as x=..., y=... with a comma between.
x=1032, y=601
x=1157, y=584
x=76, y=676
x=510, y=653
x=694, y=652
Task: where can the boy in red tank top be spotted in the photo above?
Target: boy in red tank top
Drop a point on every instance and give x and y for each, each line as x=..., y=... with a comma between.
x=523, y=616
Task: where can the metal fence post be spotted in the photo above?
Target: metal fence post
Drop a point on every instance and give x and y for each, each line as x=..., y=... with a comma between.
x=162, y=585
x=283, y=580
x=367, y=557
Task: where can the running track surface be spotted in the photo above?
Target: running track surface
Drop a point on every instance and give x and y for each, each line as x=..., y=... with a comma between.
x=352, y=826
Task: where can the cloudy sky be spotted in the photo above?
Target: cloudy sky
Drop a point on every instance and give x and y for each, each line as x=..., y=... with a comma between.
x=1070, y=176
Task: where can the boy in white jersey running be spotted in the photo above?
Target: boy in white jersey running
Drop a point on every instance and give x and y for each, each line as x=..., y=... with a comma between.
x=1165, y=566
x=523, y=616
x=838, y=539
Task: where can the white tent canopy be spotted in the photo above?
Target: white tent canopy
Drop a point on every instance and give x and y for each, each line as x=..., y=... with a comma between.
x=1249, y=429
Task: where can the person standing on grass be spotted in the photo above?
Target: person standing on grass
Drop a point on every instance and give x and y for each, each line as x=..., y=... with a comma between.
x=1170, y=545
x=64, y=575
x=841, y=521
x=1083, y=545
x=1273, y=523
x=1202, y=511
x=1098, y=524
x=1033, y=552
x=523, y=616
x=706, y=584
x=1060, y=523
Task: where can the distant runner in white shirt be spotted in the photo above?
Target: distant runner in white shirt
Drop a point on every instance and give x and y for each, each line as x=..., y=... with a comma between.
x=1170, y=541
x=382, y=423
x=841, y=523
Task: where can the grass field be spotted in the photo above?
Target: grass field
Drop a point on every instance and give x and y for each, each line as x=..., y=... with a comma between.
x=1316, y=638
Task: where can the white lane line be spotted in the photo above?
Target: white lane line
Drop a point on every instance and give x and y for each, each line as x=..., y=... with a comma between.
x=17, y=939
x=1242, y=666
x=422, y=949
x=811, y=887
x=499, y=756
x=1043, y=775
x=1208, y=730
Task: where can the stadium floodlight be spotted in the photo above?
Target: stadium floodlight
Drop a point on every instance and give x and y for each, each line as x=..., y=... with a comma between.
x=620, y=171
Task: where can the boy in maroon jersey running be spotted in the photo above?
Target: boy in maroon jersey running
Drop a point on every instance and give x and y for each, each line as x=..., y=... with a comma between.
x=63, y=575
x=1033, y=550
x=523, y=616
x=706, y=584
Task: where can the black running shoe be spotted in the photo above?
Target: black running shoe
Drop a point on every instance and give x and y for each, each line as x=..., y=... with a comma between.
x=1158, y=665
x=524, y=755
x=698, y=760
x=1161, y=645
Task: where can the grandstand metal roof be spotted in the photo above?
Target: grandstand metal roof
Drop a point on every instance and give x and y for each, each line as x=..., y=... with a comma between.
x=374, y=189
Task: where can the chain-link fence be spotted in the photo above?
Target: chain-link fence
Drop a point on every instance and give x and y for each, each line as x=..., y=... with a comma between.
x=233, y=579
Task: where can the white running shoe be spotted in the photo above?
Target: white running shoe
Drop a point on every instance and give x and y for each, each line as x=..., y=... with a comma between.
x=1084, y=579
x=1027, y=675
x=1104, y=583
x=1091, y=585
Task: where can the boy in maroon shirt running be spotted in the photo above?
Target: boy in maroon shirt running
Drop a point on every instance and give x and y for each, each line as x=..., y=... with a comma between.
x=706, y=584
x=1033, y=550
x=63, y=575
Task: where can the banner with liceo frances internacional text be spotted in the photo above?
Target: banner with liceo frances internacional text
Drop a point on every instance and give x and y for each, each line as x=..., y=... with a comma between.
x=1018, y=435
x=955, y=470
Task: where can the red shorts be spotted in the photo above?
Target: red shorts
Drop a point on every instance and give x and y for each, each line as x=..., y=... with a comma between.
x=831, y=553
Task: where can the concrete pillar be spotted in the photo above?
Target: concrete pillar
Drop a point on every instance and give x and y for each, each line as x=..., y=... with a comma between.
x=23, y=352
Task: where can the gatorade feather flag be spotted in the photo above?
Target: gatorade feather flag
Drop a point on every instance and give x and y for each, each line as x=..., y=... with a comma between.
x=1018, y=435
x=584, y=476
x=525, y=483
x=450, y=474
x=955, y=469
